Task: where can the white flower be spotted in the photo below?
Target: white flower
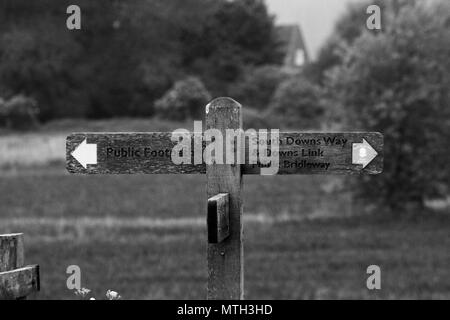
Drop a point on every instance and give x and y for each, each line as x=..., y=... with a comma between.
x=112, y=295
x=83, y=292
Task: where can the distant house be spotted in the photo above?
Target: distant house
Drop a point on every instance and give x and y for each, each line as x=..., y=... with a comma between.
x=293, y=46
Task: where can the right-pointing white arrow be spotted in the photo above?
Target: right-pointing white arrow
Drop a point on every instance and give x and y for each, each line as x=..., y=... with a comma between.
x=85, y=153
x=363, y=153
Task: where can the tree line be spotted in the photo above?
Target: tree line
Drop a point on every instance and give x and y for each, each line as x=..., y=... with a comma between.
x=127, y=53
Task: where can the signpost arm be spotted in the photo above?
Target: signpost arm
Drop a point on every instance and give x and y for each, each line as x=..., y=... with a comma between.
x=225, y=259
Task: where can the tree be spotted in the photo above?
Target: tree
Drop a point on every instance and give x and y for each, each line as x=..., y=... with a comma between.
x=258, y=85
x=347, y=29
x=236, y=35
x=397, y=83
x=34, y=64
x=127, y=53
x=19, y=112
x=185, y=100
x=297, y=104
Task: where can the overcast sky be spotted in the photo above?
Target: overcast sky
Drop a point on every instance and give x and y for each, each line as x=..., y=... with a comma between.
x=315, y=17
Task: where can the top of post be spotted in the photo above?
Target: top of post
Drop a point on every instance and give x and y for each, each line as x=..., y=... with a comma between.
x=223, y=113
x=222, y=102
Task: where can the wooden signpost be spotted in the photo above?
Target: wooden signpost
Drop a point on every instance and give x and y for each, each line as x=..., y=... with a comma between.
x=150, y=153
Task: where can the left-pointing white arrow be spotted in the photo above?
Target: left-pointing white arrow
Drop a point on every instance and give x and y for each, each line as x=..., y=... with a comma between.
x=85, y=153
x=363, y=153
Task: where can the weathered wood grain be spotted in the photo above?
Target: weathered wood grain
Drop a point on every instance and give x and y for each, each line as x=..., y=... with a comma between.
x=157, y=160
x=294, y=147
x=11, y=251
x=218, y=219
x=19, y=283
x=337, y=158
x=226, y=259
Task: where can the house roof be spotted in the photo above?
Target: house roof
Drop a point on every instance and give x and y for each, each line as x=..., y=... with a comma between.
x=291, y=39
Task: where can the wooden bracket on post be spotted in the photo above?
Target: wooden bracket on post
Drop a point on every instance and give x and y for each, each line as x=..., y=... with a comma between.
x=16, y=280
x=218, y=219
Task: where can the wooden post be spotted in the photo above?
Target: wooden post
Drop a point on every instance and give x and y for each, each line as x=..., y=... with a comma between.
x=226, y=259
x=11, y=252
x=16, y=281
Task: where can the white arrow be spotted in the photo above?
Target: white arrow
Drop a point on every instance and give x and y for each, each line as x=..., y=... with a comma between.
x=85, y=154
x=363, y=153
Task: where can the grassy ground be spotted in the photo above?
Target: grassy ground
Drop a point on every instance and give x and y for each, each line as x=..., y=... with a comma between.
x=144, y=236
x=284, y=259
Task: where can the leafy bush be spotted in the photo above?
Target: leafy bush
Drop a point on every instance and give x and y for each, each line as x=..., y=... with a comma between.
x=186, y=99
x=297, y=104
x=257, y=87
x=19, y=112
x=397, y=82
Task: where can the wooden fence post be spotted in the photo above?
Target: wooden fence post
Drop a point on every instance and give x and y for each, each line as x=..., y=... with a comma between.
x=16, y=280
x=226, y=258
x=11, y=252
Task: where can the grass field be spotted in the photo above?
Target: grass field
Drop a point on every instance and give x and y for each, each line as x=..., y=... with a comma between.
x=145, y=236
x=323, y=258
